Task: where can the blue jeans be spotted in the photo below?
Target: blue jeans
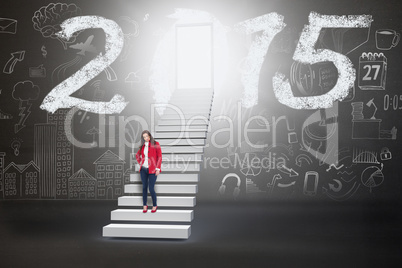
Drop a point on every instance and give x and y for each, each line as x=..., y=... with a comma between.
x=148, y=179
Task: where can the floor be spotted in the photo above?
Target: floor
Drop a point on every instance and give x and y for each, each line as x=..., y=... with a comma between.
x=275, y=234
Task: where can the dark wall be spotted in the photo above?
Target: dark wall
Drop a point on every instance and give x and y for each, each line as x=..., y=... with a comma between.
x=347, y=152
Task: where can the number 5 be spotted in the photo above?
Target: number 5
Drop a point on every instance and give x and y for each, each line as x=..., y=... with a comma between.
x=60, y=97
x=305, y=53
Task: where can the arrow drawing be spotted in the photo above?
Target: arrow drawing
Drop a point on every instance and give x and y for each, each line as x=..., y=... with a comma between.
x=271, y=185
x=345, y=172
x=282, y=185
x=15, y=57
x=334, y=166
x=304, y=157
x=344, y=197
x=333, y=188
x=284, y=169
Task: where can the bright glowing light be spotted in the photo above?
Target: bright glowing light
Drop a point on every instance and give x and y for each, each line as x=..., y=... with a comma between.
x=194, y=56
x=163, y=78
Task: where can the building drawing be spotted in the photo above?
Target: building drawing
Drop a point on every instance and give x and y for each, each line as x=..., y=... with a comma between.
x=2, y=155
x=127, y=174
x=45, y=158
x=21, y=181
x=81, y=185
x=64, y=153
x=109, y=174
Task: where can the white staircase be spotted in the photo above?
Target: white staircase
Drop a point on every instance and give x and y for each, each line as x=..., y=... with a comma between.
x=182, y=138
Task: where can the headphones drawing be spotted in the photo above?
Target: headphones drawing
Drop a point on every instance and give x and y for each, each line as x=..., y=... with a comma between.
x=236, y=190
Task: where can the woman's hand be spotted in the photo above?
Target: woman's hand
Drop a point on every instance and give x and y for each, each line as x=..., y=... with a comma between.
x=157, y=172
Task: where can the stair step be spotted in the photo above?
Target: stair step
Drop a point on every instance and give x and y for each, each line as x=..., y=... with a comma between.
x=198, y=112
x=183, y=149
x=182, y=167
x=185, y=116
x=163, y=201
x=169, y=177
x=191, y=94
x=182, y=132
x=182, y=135
x=180, y=128
x=172, y=158
x=163, y=188
x=183, y=141
x=191, y=101
x=188, y=107
x=186, y=103
x=147, y=231
x=182, y=90
x=178, y=158
x=159, y=215
x=179, y=122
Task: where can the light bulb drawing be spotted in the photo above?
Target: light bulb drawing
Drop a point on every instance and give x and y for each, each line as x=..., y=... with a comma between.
x=16, y=145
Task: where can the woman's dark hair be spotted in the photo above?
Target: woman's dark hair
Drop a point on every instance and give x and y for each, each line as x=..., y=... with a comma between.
x=152, y=140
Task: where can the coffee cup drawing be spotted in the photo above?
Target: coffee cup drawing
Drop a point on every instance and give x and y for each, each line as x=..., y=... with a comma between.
x=386, y=39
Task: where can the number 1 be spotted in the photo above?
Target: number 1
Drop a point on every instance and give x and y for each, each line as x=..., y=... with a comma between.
x=270, y=25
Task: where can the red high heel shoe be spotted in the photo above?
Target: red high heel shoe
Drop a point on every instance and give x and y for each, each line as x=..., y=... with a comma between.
x=145, y=210
x=154, y=209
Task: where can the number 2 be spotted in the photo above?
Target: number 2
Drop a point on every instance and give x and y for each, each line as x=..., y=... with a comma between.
x=60, y=97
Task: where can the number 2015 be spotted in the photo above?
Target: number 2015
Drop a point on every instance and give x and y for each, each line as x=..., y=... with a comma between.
x=60, y=96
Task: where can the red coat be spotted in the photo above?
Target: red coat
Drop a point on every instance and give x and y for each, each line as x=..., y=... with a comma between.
x=154, y=157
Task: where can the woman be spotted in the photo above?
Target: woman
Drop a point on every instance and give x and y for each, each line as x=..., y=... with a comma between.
x=149, y=157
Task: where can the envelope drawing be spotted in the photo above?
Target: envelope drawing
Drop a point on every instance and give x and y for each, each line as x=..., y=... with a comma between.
x=8, y=26
x=39, y=71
